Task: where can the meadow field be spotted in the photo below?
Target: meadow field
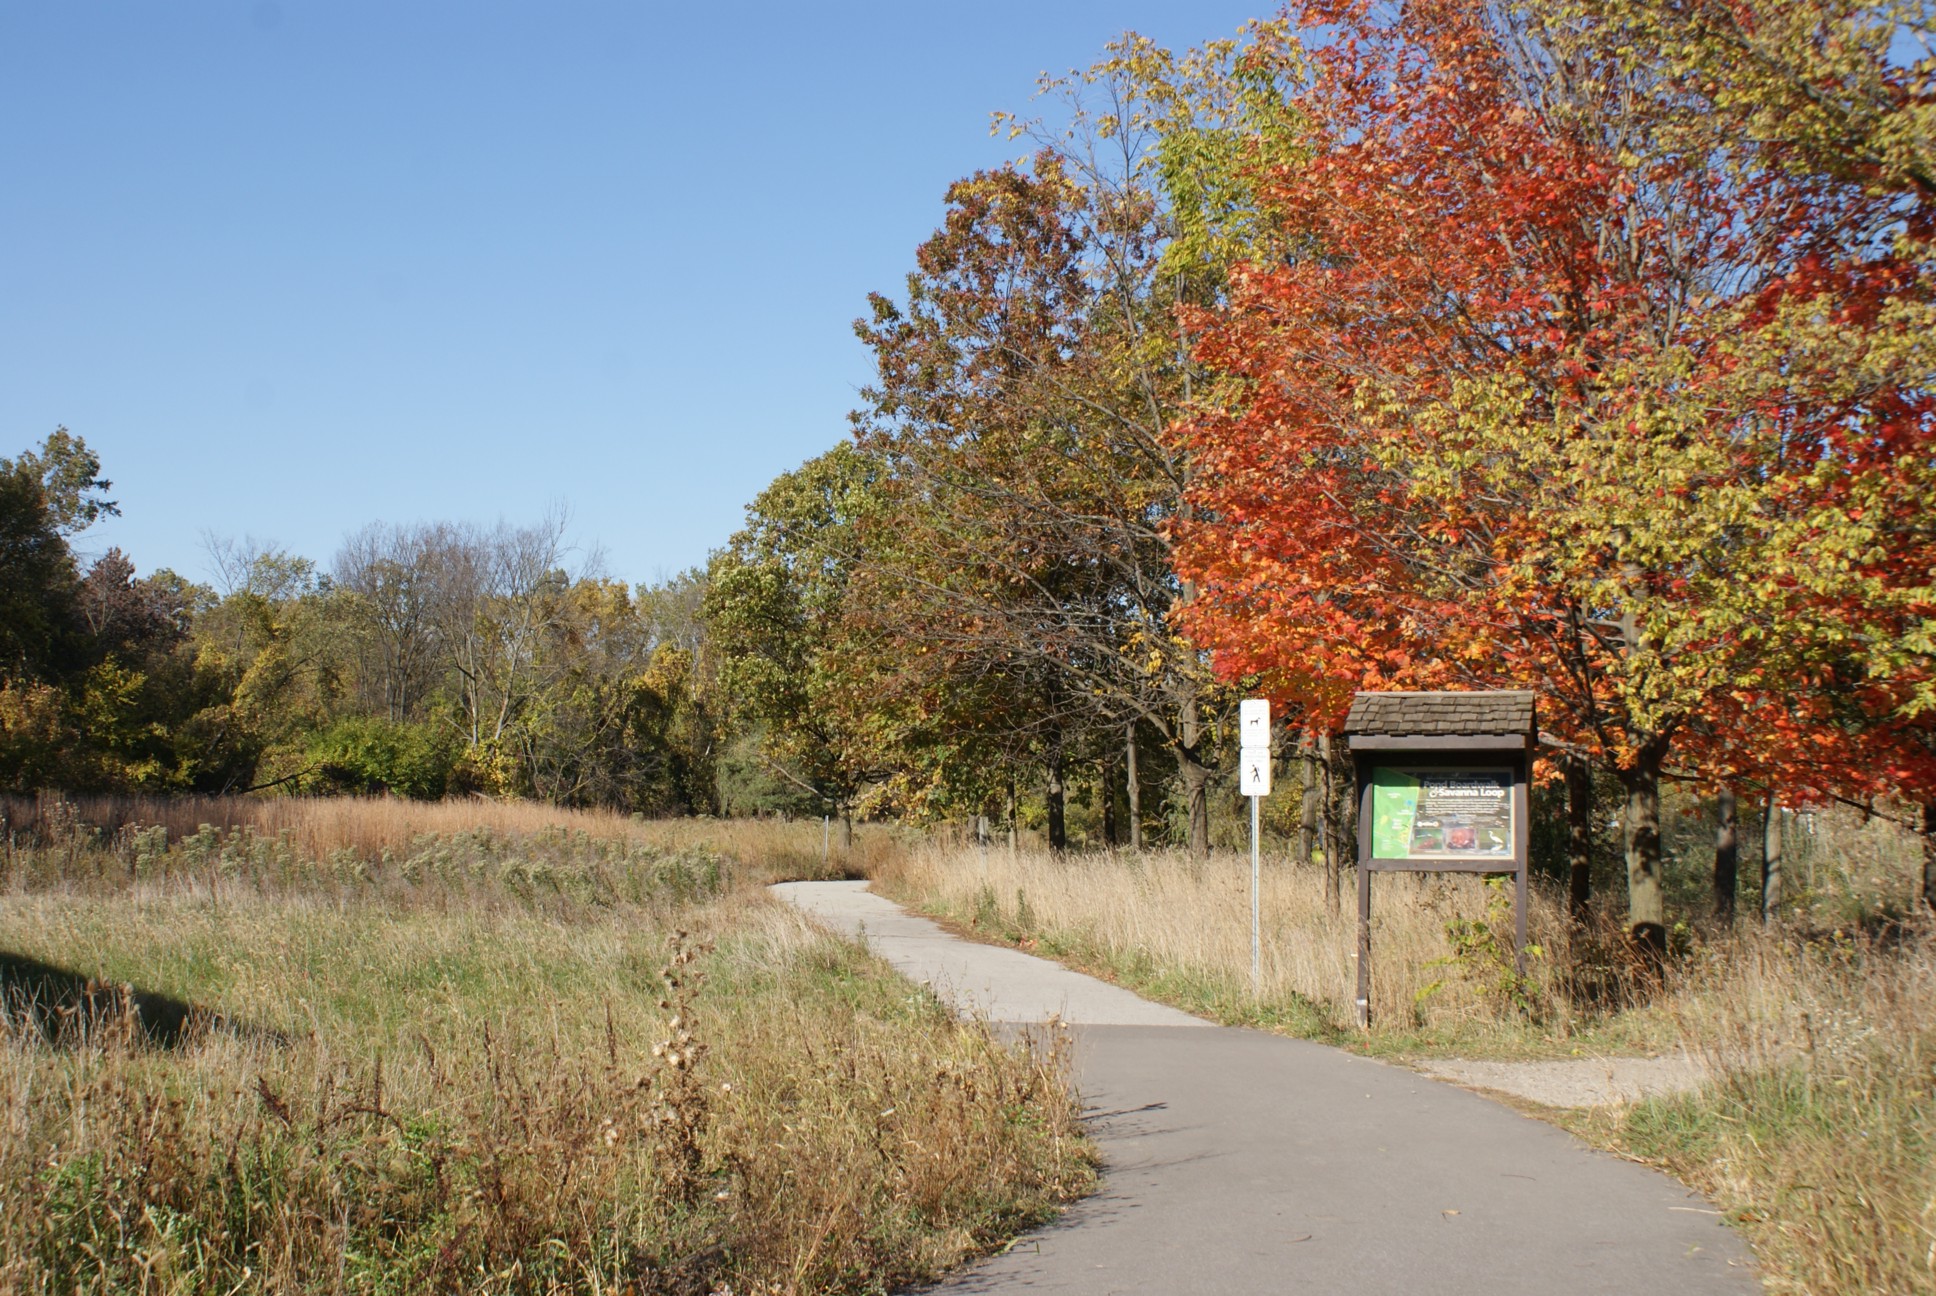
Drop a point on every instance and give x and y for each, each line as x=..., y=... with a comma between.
x=290, y=1046
x=484, y=1046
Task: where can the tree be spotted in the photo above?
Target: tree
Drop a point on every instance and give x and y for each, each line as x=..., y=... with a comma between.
x=37, y=580
x=268, y=656
x=603, y=730
x=398, y=580
x=1520, y=409
x=70, y=478
x=791, y=663
x=1024, y=390
x=501, y=594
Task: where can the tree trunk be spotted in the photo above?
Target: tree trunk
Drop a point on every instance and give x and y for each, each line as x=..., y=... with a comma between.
x=846, y=830
x=1770, y=858
x=1307, y=778
x=1929, y=854
x=1646, y=925
x=1332, y=837
x=1194, y=776
x=1579, y=837
x=1134, y=788
x=1726, y=855
x=1013, y=834
x=1058, y=826
x=1106, y=792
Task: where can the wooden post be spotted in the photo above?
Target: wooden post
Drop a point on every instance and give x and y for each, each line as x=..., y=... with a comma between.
x=1519, y=924
x=1363, y=1004
x=1135, y=790
x=1522, y=813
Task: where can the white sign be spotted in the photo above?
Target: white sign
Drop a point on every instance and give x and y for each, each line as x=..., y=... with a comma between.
x=1254, y=771
x=1253, y=774
x=1253, y=723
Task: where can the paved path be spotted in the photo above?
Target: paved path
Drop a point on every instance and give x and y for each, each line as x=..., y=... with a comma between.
x=1238, y=1162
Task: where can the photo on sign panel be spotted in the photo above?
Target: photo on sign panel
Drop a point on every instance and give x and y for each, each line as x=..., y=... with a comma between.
x=1425, y=813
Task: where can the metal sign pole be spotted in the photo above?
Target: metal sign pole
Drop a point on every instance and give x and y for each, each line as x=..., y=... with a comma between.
x=1256, y=908
x=1254, y=773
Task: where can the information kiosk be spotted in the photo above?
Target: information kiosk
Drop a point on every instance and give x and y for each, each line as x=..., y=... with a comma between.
x=1442, y=788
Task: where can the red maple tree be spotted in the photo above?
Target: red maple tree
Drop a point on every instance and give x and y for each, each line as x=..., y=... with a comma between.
x=1564, y=387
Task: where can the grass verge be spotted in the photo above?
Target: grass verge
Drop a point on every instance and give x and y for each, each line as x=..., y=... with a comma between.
x=1817, y=1136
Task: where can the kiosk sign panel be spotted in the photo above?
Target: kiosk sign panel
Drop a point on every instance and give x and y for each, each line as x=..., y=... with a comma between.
x=1421, y=813
x=1442, y=788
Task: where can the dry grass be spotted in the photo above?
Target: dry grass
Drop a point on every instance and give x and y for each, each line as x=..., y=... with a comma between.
x=371, y=828
x=1179, y=928
x=1818, y=1132
x=489, y=1060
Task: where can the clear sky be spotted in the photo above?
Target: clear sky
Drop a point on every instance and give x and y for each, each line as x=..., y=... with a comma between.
x=293, y=266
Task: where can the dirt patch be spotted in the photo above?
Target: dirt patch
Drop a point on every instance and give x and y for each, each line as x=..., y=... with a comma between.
x=1575, y=1082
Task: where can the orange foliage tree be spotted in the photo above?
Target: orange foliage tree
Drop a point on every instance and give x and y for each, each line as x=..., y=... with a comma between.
x=1565, y=386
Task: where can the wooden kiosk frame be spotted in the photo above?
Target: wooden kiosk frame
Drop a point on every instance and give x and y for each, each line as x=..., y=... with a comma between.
x=1442, y=788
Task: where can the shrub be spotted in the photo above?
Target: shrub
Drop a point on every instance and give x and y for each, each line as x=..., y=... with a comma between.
x=367, y=755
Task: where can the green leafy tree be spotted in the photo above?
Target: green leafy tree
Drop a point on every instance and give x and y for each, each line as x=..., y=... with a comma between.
x=37, y=581
x=792, y=664
x=70, y=477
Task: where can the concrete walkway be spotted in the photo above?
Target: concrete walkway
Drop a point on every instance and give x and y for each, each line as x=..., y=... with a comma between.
x=1236, y=1161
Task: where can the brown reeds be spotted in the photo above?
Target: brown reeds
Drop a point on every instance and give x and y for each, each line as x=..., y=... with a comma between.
x=369, y=828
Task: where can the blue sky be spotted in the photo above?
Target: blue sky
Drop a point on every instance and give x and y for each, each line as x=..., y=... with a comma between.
x=294, y=267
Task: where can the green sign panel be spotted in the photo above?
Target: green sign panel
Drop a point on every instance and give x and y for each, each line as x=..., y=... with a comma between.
x=1423, y=813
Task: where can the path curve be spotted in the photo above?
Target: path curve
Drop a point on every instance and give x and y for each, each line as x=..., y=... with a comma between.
x=1237, y=1161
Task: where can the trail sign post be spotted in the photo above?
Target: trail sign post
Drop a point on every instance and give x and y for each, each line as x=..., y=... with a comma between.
x=1254, y=772
x=1442, y=788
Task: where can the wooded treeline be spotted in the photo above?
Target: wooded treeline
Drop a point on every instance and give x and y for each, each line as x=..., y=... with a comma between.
x=1584, y=347
x=425, y=661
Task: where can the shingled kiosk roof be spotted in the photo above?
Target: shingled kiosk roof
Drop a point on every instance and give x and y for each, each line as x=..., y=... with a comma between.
x=1503, y=712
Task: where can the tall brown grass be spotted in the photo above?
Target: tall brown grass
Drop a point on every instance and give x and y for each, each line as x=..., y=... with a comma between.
x=501, y=1059
x=1817, y=1129
x=371, y=827
x=1179, y=927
